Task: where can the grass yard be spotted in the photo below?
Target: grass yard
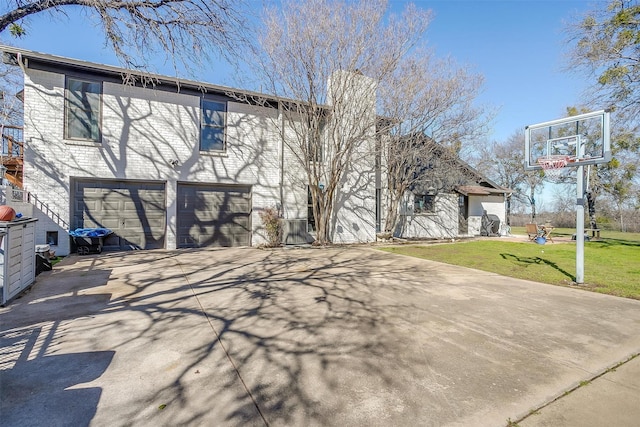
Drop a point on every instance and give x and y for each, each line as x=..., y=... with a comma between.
x=612, y=264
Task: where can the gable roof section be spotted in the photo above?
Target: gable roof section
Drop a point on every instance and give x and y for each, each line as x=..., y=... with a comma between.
x=484, y=186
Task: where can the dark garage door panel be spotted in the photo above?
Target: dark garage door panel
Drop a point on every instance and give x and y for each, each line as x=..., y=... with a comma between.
x=213, y=215
x=134, y=210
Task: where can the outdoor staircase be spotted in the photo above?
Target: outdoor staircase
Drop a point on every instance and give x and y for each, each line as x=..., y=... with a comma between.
x=13, y=196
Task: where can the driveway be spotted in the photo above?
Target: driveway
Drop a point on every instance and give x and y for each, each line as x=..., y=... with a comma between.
x=298, y=337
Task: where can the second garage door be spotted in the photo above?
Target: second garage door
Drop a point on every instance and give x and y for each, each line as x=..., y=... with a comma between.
x=213, y=215
x=133, y=210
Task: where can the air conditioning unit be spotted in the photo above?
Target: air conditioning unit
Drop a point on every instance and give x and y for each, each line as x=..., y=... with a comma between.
x=295, y=232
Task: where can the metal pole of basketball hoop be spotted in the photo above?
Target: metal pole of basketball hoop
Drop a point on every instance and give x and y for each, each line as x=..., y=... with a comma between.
x=580, y=224
x=580, y=212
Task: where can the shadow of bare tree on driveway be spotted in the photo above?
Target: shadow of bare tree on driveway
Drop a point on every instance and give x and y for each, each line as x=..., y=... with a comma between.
x=339, y=336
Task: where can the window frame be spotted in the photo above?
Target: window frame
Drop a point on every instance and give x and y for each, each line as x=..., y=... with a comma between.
x=67, y=109
x=316, y=152
x=204, y=125
x=429, y=204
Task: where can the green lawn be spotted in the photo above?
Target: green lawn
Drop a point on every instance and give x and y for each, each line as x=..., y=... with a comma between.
x=612, y=264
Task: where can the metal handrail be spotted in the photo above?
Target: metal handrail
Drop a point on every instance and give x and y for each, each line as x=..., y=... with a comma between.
x=11, y=194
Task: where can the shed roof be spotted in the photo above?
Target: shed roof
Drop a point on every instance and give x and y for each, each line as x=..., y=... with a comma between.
x=479, y=190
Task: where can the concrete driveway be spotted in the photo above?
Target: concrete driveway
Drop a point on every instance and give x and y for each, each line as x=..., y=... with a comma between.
x=298, y=337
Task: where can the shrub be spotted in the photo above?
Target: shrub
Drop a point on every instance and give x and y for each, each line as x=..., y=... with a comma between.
x=273, y=225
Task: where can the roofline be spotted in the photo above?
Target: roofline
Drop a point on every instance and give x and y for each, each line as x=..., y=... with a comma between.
x=484, y=177
x=467, y=165
x=175, y=81
x=121, y=72
x=486, y=191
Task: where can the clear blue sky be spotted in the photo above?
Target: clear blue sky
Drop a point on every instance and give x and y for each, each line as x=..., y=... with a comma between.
x=518, y=45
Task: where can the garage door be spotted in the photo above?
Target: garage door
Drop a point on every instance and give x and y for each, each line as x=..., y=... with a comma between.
x=213, y=215
x=133, y=210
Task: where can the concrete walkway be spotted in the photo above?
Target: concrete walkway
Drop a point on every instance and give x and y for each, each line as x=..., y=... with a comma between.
x=310, y=337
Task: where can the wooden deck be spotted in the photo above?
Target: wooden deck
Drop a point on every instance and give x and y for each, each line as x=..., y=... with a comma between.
x=13, y=154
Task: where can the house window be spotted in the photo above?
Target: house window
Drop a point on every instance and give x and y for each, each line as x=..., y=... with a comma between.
x=424, y=203
x=82, y=110
x=315, y=151
x=52, y=238
x=212, y=125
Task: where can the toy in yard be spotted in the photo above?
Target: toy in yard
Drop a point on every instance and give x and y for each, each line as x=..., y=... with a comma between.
x=89, y=240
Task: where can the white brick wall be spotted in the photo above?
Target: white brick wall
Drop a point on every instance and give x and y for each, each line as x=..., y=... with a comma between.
x=442, y=225
x=494, y=205
x=143, y=129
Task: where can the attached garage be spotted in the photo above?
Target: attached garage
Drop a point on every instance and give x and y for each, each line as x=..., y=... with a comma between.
x=213, y=215
x=134, y=210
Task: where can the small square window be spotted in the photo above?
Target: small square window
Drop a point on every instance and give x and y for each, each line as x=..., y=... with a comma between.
x=212, y=126
x=424, y=203
x=52, y=238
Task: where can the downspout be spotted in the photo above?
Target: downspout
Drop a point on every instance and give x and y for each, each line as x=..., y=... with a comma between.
x=281, y=160
x=22, y=66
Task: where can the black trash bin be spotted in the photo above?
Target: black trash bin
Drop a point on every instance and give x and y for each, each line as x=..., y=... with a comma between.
x=43, y=261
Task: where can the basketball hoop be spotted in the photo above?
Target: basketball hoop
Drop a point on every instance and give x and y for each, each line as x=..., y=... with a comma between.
x=553, y=166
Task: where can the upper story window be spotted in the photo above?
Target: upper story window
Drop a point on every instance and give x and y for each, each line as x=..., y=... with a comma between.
x=315, y=146
x=82, y=109
x=315, y=151
x=212, y=125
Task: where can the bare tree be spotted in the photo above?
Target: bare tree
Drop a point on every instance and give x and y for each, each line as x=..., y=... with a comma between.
x=503, y=161
x=184, y=31
x=10, y=103
x=429, y=117
x=355, y=46
x=375, y=67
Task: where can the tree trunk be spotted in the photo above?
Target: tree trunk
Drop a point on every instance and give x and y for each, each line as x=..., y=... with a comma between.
x=391, y=220
x=591, y=206
x=532, y=200
x=318, y=198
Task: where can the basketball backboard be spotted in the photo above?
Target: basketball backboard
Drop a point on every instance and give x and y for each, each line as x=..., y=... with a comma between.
x=577, y=140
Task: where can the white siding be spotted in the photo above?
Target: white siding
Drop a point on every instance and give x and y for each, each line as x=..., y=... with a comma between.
x=442, y=224
x=494, y=205
x=143, y=130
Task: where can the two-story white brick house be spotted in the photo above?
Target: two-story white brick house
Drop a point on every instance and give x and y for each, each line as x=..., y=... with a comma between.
x=169, y=163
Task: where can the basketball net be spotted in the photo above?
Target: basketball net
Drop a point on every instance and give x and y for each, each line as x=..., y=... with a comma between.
x=553, y=166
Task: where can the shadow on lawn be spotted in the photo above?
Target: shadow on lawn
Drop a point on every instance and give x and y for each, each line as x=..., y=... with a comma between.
x=614, y=242
x=537, y=260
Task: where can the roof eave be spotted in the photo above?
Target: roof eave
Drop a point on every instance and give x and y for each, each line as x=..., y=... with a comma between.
x=120, y=71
